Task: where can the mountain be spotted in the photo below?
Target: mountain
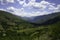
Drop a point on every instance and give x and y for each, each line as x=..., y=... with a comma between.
x=44, y=18
x=13, y=27
x=41, y=19
x=11, y=20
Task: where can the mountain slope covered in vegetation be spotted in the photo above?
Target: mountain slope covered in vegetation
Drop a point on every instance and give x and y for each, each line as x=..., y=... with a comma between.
x=14, y=28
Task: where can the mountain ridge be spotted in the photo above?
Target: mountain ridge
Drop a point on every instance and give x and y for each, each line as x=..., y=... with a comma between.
x=41, y=19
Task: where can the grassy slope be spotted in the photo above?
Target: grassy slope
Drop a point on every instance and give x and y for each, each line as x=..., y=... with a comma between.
x=13, y=28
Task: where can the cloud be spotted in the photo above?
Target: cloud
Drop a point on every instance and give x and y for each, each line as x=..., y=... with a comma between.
x=57, y=9
x=3, y=2
x=21, y=2
x=43, y=5
x=51, y=7
x=54, y=9
x=2, y=9
x=11, y=8
x=21, y=12
x=11, y=1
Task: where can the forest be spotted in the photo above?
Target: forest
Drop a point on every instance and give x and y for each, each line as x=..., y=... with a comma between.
x=12, y=27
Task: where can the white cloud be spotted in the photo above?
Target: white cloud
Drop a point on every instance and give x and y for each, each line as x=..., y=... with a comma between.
x=11, y=1
x=58, y=6
x=41, y=5
x=44, y=2
x=22, y=13
x=11, y=8
x=4, y=2
x=57, y=9
x=21, y=2
x=32, y=3
x=51, y=7
x=1, y=9
x=54, y=9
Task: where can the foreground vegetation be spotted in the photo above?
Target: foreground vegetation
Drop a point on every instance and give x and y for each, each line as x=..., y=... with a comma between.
x=14, y=28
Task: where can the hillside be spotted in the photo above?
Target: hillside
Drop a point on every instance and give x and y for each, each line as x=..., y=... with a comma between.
x=43, y=18
x=14, y=28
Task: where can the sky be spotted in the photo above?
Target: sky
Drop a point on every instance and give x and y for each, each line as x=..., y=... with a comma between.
x=29, y=8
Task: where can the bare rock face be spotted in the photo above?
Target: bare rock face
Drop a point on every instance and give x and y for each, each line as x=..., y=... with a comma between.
x=42, y=19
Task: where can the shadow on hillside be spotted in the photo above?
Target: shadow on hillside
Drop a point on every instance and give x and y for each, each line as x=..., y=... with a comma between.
x=49, y=22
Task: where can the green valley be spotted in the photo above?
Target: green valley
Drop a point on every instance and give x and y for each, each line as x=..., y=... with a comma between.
x=13, y=27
